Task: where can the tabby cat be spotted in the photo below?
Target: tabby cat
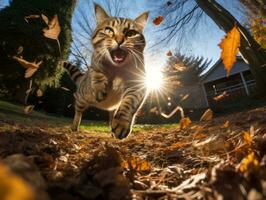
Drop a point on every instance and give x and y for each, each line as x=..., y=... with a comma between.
x=114, y=81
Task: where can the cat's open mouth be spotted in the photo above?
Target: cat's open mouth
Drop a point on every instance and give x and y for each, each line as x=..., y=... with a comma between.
x=118, y=55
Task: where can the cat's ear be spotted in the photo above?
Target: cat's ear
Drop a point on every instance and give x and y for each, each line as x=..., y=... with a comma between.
x=142, y=19
x=100, y=14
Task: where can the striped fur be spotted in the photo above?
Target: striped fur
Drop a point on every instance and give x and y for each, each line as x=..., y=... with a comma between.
x=73, y=71
x=115, y=79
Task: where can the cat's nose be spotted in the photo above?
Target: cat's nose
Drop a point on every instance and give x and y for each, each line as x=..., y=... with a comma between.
x=119, y=39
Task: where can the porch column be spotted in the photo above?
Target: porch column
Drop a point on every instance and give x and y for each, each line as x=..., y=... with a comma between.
x=205, y=94
x=244, y=83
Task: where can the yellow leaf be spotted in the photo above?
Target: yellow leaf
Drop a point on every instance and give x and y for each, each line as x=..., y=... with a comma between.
x=184, y=122
x=53, y=30
x=229, y=46
x=158, y=20
x=249, y=163
x=13, y=187
x=137, y=164
x=207, y=115
x=28, y=109
x=247, y=138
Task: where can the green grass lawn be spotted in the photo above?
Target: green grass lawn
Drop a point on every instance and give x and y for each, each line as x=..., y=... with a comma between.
x=14, y=113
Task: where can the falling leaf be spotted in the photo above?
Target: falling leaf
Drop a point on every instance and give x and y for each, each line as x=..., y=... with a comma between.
x=31, y=67
x=137, y=164
x=39, y=93
x=45, y=19
x=184, y=122
x=31, y=17
x=158, y=20
x=229, y=46
x=13, y=187
x=169, y=53
x=53, y=30
x=249, y=163
x=207, y=115
x=64, y=88
x=20, y=50
x=221, y=96
x=28, y=109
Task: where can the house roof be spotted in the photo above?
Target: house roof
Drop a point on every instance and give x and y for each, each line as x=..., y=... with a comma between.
x=218, y=71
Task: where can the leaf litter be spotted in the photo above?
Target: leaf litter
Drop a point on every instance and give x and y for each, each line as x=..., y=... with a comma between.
x=221, y=158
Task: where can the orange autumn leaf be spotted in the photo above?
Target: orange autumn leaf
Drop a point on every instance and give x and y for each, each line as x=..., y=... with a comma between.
x=169, y=53
x=13, y=187
x=248, y=138
x=137, y=164
x=221, y=96
x=207, y=115
x=184, y=122
x=199, y=135
x=53, y=30
x=31, y=67
x=230, y=47
x=158, y=20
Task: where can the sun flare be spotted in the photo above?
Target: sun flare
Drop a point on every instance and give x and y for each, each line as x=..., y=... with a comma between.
x=154, y=79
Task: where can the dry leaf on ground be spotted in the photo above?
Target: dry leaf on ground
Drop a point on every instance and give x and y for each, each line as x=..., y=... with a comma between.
x=229, y=46
x=184, y=122
x=136, y=164
x=249, y=163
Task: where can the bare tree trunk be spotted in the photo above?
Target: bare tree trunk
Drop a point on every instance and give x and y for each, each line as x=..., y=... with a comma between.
x=250, y=50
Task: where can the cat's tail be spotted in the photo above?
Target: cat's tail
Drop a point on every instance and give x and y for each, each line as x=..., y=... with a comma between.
x=178, y=108
x=73, y=70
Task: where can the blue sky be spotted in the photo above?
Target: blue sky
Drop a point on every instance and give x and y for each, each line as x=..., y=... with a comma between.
x=204, y=42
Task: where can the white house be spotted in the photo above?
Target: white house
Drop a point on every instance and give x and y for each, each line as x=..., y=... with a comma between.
x=215, y=82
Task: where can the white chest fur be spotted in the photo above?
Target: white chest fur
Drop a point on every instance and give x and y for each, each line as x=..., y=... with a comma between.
x=114, y=96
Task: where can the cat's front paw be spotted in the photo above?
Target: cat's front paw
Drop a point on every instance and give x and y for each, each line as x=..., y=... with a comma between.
x=121, y=128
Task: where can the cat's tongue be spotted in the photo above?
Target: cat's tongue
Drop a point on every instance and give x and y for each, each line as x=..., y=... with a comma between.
x=118, y=55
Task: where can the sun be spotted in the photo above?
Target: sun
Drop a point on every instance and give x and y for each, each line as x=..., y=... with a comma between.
x=154, y=78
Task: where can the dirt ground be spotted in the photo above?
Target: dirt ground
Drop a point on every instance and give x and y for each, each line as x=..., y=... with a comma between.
x=223, y=158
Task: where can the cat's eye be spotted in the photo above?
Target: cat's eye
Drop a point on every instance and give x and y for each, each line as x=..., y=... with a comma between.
x=131, y=33
x=109, y=31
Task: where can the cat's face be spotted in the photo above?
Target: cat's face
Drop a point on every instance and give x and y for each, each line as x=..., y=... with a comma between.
x=117, y=40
